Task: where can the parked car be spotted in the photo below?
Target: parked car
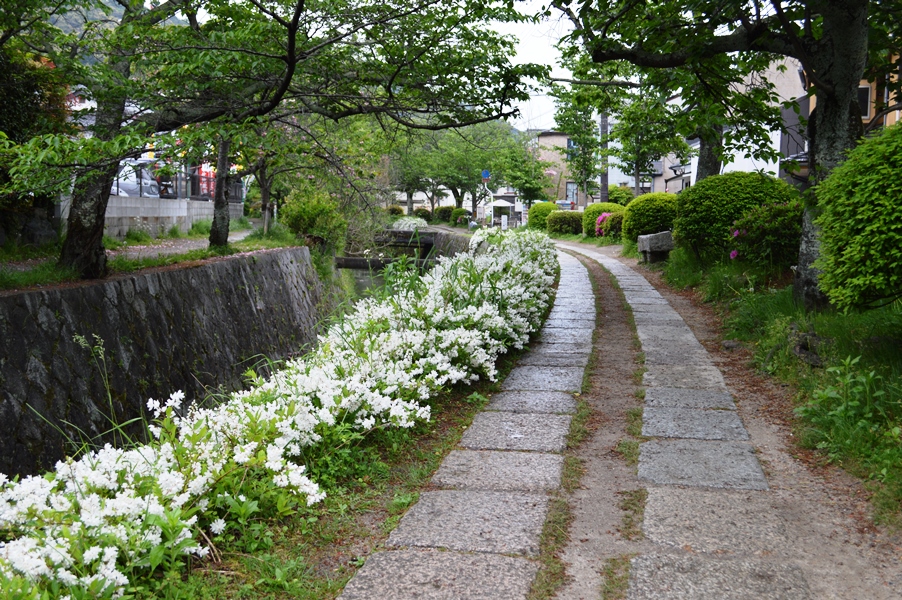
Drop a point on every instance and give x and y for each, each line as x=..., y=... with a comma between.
x=135, y=178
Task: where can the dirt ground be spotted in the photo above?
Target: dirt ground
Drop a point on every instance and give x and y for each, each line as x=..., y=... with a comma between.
x=822, y=512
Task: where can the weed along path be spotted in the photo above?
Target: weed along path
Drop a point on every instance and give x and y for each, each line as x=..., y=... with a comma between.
x=478, y=533
x=700, y=497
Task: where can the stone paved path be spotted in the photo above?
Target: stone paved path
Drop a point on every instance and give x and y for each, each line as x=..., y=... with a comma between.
x=474, y=536
x=699, y=457
x=711, y=529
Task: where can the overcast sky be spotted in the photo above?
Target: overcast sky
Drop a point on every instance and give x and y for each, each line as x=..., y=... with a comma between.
x=536, y=45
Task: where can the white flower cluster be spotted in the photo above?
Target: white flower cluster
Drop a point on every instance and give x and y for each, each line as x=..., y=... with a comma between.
x=409, y=224
x=116, y=514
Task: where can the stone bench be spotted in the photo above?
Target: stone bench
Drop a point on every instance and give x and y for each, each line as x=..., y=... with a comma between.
x=656, y=246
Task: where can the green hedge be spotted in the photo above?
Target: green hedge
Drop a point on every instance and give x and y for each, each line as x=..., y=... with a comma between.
x=613, y=225
x=620, y=195
x=459, y=213
x=423, y=213
x=706, y=212
x=769, y=235
x=861, y=224
x=564, y=222
x=315, y=214
x=539, y=212
x=649, y=213
x=593, y=211
x=395, y=210
x=443, y=214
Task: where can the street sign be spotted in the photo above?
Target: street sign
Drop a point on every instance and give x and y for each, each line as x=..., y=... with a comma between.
x=486, y=175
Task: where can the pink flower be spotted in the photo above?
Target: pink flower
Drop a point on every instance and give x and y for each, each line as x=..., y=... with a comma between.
x=736, y=233
x=734, y=254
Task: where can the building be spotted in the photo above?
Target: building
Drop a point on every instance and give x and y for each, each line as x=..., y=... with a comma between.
x=553, y=147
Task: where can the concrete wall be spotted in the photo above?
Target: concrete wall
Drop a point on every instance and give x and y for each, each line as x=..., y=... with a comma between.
x=186, y=328
x=154, y=215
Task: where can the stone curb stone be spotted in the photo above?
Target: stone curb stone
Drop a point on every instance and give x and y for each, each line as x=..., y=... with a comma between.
x=683, y=577
x=701, y=463
x=561, y=379
x=533, y=402
x=517, y=431
x=678, y=376
x=433, y=575
x=688, y=398
x=490, y=470
x=499, y=522
x=718, y=522
x=692, y=423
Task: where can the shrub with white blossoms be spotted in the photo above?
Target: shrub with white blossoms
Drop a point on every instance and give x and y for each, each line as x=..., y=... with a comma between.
x=114, y=516
x=409, y=224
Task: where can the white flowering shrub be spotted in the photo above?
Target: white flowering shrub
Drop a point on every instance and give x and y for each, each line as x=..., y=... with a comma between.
x=409, y=224
x=114, y=517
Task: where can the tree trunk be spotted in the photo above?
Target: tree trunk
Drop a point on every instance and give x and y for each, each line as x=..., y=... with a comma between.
x=265, y=184
x=219, y=232
x=637, y=191
x=83, y=247
x=835, y=125
x=409, y=202
x=710, y=150
x=458, y=197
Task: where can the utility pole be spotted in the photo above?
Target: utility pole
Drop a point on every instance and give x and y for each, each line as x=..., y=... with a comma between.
x=603, y=176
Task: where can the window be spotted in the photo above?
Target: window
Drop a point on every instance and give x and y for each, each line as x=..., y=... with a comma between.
x=571, y=191
x=864, y=101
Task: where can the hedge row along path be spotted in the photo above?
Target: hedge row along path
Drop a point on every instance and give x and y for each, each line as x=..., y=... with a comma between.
x=729, y=511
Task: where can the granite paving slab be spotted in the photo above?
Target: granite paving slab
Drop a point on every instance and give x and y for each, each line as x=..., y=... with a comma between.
x=570, y=323
x=687, y=577
x=664, y=331
x=540, y=348
x=678, y=376
x=646, y=299
x=434, y=575
x=582, y=314
x=657, y=318
x=686, y=344
x=499, y=471
x=694, y=423
x=677, y=356
x=533, y=402
x=688, y=398
x=470, y=521
x=581, y=335
x=716, y=521
x=562, y=379
x=701, y=463
x=517, y=431
x=555, y=359
x=654, y=308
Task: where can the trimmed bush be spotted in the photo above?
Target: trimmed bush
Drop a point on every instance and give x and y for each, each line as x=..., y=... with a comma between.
x=620, y=195
x=395, y=210
x=649, y=213
x=564, y=222
x=861, y=224
x=706, y=211
x=443, y=214
x=423, y=213
x=539, y=212
x=769, y=235
x=315, y=214
x=590, y=215
x=460, y=216
x=612, y=226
